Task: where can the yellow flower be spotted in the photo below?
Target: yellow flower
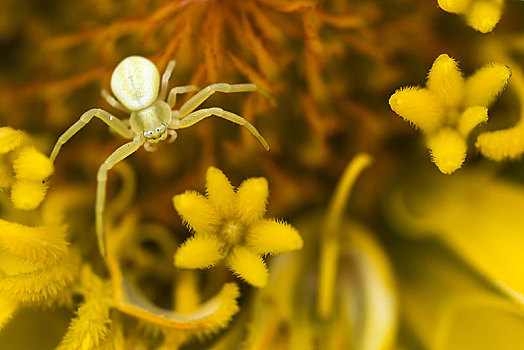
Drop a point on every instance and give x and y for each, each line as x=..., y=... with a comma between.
x=31, y=169
x=481, y=15
x=230, y=226
x=450, y=107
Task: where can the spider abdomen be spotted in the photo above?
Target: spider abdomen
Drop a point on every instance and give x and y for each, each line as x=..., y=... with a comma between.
x=135, y=82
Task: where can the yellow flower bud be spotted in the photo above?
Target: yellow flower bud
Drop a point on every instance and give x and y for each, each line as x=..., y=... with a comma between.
x=27, y=195
x=10, y=139
x=33, y=165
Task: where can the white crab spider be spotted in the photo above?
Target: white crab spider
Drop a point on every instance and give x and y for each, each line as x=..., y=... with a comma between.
x=136, y=84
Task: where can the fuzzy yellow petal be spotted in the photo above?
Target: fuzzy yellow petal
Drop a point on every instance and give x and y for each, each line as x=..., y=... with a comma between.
x=199, y=252
x=114, y=340
x=502, y=144
x=273, y=237
x=484, y=15
x=41, y=245
x=31, y=164
x=27, y=195
x=41, y=284
x=448, y=150
x=196, y=212
x=10, y=139
x=418, y=106
x=252, y=199
x=220, y=192
x=485, y=85
x=90, y=327
x=471, y=118
x=249, y=266
x=445, y=80
x=454, y=6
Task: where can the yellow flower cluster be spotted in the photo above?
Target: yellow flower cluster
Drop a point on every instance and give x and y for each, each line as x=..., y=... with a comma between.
x=482, y=15
x=450, y=107
x=230, y=226
x=31, y=169
x=36, y=266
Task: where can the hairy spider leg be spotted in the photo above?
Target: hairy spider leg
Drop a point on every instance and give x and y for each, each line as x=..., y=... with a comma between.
x=165, y=79
x=201, y=114
x=171, y=99
x=112, y=121
x=204, y=94
x=112, y=101
x=121, y=153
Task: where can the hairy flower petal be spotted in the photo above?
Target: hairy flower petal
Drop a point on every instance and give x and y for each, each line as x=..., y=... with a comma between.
x=41, y=245
x=91, y=325
x=273, y=237
x=454, y=6
x=471, y=118
x=418, y=106
x=485, y=85
x=41, y=284
x=249, y=266
x=220, y=192
x=502, y=144
x=196, y=211
x=199, y=252
x=484, y=15
x=445, y=80
x=252, y=199
x=448, y=150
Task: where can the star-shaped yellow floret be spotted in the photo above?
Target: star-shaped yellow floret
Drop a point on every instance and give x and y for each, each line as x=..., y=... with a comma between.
x=230, y=226
x=450, y=107
x=481, y=15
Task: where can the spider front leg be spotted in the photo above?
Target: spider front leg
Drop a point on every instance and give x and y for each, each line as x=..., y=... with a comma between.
x=197, y=116
x=122, y=152
x=112, y=121
x=204, y=94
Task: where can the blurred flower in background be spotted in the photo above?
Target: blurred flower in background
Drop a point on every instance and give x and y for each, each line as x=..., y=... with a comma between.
x=387, y=252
